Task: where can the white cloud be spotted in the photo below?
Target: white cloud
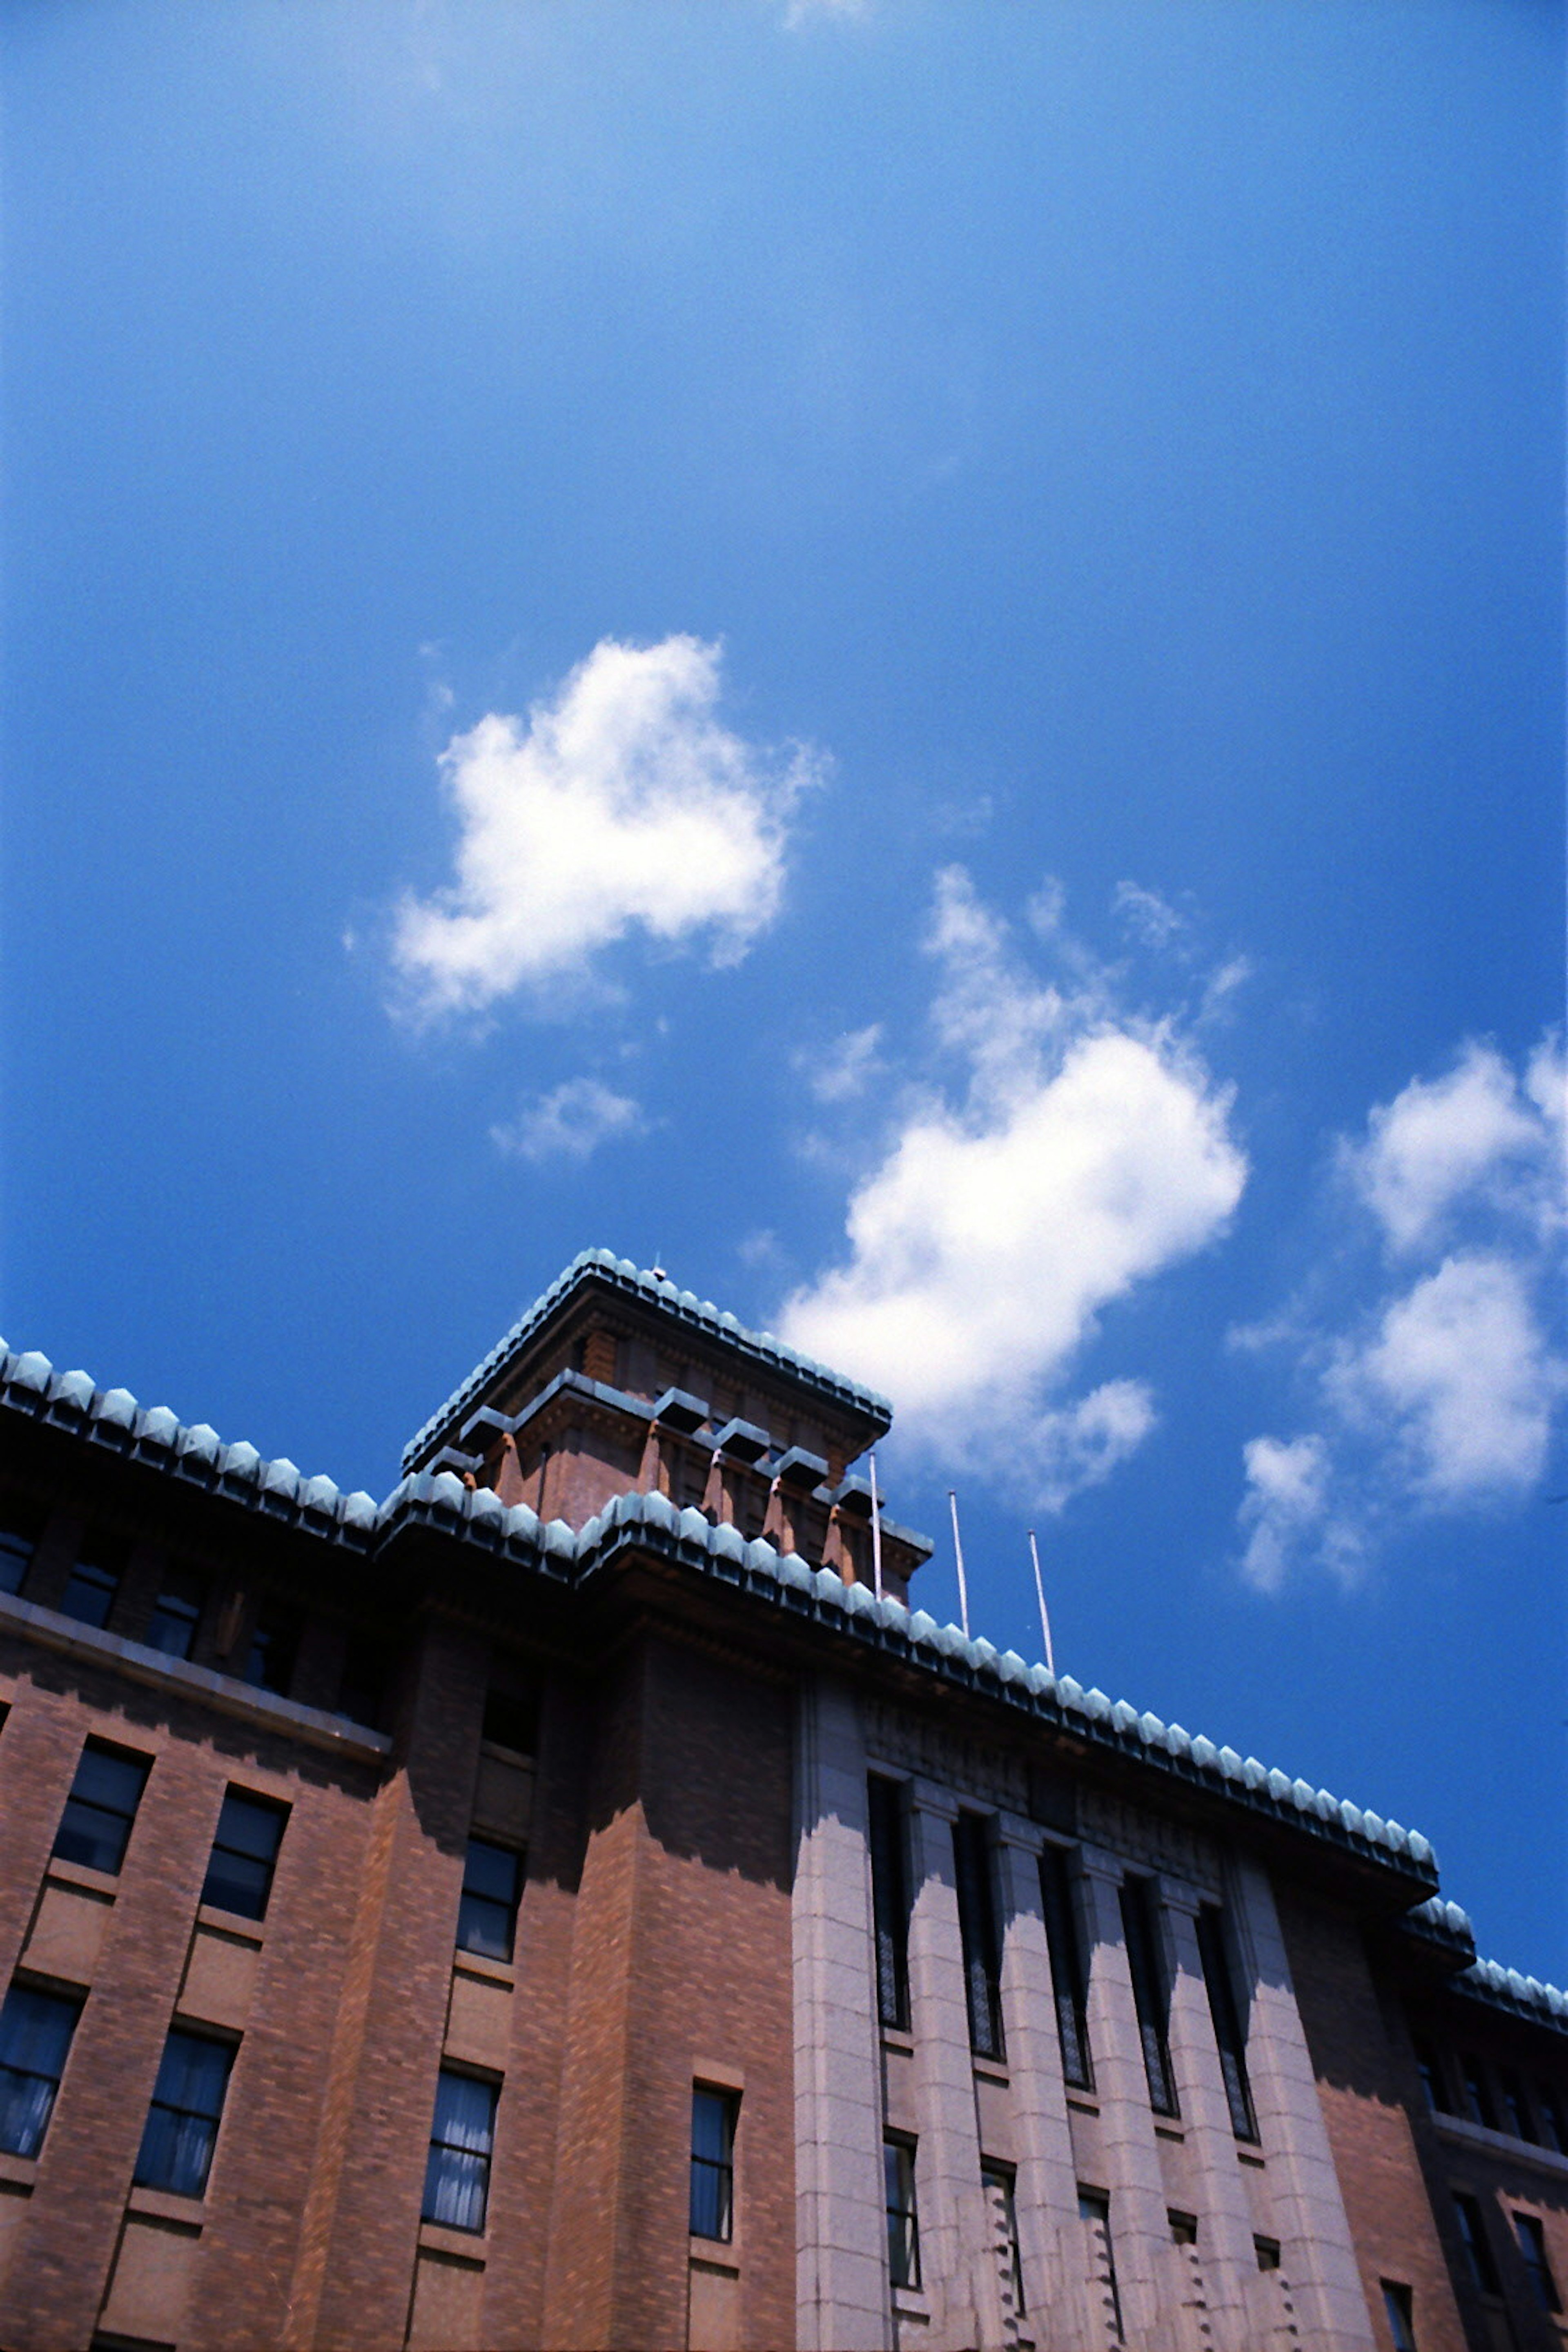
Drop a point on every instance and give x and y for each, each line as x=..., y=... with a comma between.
x=570, y=1123
x=1287, y=1492
x=1089, y=1151
x=1439, y=1143
x=1150, y=918
x=844, y=1072
x=1440, y=1396
x=1460, y=1371
x=622, y=803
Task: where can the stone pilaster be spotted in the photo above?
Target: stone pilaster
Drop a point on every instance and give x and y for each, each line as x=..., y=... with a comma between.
x=1046, y=2187
x=1226, y=2256
x=1318, y=2253
x=1139, y=2229
x=841, y=2217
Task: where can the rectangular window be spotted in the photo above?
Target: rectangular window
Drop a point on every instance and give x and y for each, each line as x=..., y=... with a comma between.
x=1551, y=2115
x=1399, y=2308
x=1094, y=2212
x=511, y=1721
x=1229, y=2034
x=94, y=1580
x=457, y=2174
x=1430, y=2068
x=363, y=1684
x=1067, y=1967
x=1479, y=2261
x=1478, y=2095
x=1515, y=2106
x=20, y=1524
x=274, y=1643
x=1531, y=2238
x=713, y=2118
x=182, y=2122
x=176, y=1613
x=36, y=2031
x=1267, y=2252
x=1150, y=1992
x=890, y=1900
x=487, y=1909
x=977, y=1925
x=244, y=1854
x=95, y=1827
x=998, y=2182
x=903, y=2225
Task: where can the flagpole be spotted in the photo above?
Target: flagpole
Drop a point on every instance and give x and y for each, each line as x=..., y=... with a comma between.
x=1040, y=1596
x=876, y=1529
x=958, y=1555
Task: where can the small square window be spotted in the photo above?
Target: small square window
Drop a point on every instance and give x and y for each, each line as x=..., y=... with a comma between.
x=903, y=2224
x=36, y=2031
x=462, y=2139
x=187, y=2105
x=272, y=1648
x=176, y=1612
x=95, y=1827
x=1267, y=2252
x=486, y=1910
x=245, y=1853
x=20, y=1525
x=713, y=2114
x=94, y=1580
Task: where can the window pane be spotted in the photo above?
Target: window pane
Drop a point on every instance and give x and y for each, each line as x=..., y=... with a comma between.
x=89, y=1591
x=712, y=2163
x=175, y=1614
x=181, y=2131
x=249, y=1825
x=903, y=2233
x=36, y=2030
x=1397, y=2304
x=491, y=1870
x=457, y=2174
x=95, y=1826
x=19, y=1525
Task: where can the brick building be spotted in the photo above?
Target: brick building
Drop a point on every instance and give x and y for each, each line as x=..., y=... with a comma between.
x=564, y=1906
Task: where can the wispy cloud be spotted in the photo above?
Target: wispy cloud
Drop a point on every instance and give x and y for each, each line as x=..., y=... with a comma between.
x=842, y=1072
x=621, y=804
x=1082, y=1150
x=570, y=1123
x=1441, y=1396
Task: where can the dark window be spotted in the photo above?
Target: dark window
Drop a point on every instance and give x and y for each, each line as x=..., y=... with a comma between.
x=1398, y=2305
x=1094, y=2212
x=244, y=1854
x=977, y=1925
x=1551, y=2115
x=1219, y=1977
x=903, y=2225
x=997, y=2181
x=1267, y=2252
x=1430, y=2068
x=889, y=1901
x=1150, y=1995
x=273, y=1646
x=1478, y=2095
x=176, y=1612
x=457, y=2174
x=95, y=1827
x=1531, y=2238
x=714, y=2117
x=94, y=1580
x=1184, y=2229
x=362, y=1686
x=1515, y=2106
x=36, y=2031
x=511, y=1720
x=182, y=2122
x=20, y=1524
x=487, y=1909
x=1067, y=1967
x=1479, y=2259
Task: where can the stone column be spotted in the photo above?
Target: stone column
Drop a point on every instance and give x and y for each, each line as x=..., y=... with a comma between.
x=956, y=2261
x=1318, y=2253
x=842, y=2297
x=1140, y=2230
x=1226, y=2256
x=1047, y=2190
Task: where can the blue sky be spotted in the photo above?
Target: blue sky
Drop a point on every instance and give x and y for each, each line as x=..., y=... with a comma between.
x=908, y=657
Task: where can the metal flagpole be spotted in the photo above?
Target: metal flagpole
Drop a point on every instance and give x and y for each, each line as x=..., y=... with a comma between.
x=958, y=1555
x=1040, y=1595
x=876, y=1529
